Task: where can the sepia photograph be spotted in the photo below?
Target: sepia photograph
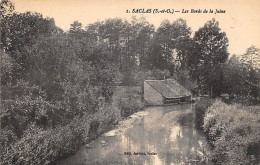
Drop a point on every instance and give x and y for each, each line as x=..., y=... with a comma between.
x=129, y=82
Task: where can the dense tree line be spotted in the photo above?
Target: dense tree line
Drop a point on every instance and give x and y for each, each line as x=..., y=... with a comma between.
x=128, y=46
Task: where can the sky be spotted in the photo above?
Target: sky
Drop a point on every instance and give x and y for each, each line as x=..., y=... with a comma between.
x=241, y=20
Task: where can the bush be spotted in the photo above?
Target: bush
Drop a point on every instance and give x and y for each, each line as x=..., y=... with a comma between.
x=37, y=131
x=127, y=100
x=130, y=104
x=39, y=146
x=234, y=131
x=29, y=106
x=215, y=120
x=105, y=118
x=200, y=110
x=43, y=146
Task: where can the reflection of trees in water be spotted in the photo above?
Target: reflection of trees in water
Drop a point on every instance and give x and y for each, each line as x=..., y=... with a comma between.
x=188, y=146
x=159, y=133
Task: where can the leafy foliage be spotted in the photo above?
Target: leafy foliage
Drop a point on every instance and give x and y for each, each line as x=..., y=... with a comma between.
x=200, y=111
x=155, y=74
x=234, y=131
x=184, y=78
x=170, y=45
x=40, y=146
x=251, y=57
x=241, y=82
x=212, y=44
x=58, y=88
x=128, y=100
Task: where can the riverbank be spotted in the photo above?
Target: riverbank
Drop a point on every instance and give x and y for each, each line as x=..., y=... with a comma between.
x=51, y=144
x=233, y=128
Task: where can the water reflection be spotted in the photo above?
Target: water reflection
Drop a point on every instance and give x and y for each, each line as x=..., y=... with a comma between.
x=157, y=134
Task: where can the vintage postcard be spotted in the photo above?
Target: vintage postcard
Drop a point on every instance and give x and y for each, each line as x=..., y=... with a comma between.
x=153, y=82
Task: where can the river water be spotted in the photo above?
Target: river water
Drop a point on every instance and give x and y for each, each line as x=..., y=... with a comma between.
x=152, y=137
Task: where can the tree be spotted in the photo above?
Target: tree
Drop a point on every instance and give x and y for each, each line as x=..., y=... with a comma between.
x=21, y=29
x=6, y=8
x=76, y=30
x=161, y=50
x=183, y=76
x=212, y=44
x=181, y=42
x=171, y=45
x=121, y=43
x=234, y=76
x=19, y=32
x=8, y=65
x=251, y=64
x=135, y=46
x=142, y=32
x=251, y=57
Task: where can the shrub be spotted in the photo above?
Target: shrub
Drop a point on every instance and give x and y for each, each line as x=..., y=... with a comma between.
x=234, y=131
x=130, y=105
x=29, y=106
x=37, y=131
x=105, y=118
x=214, y=120
x=200, y=110
x=39, y=146
x=128, y=100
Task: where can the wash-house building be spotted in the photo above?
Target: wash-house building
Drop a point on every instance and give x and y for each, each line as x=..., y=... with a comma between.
x=168, y=91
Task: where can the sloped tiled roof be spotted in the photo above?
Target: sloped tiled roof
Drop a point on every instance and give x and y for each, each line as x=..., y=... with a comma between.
x=169, y=88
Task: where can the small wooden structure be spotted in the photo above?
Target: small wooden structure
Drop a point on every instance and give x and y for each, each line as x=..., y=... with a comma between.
x=161, y=92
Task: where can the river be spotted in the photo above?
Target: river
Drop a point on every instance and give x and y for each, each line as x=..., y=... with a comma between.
x=152, y=136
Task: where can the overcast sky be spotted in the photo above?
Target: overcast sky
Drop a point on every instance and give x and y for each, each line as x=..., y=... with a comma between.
x=241, y=20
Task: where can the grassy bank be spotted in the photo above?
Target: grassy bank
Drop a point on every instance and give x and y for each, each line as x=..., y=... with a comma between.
x=233, y=131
